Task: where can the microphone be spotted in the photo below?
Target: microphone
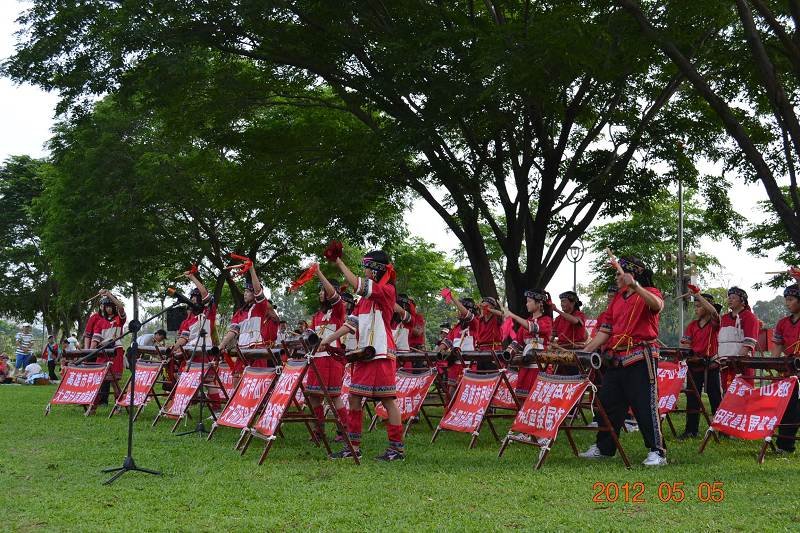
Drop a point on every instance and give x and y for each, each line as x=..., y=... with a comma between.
x=183, y=299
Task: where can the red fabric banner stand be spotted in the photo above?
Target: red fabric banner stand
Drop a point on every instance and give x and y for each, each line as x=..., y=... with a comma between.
x=228, y=377
x=80, y=385
x=412, y=389
x=504, y=399
x=246, y=401
x=581, y=369
x=675, y=378
x=552, y=399
x=670, y=385
x=469, y=405
x=282, y=407
x=186, y=393
x=752, y=413
x=147, y=374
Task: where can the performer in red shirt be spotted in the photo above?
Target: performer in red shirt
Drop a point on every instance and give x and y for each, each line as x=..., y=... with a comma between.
x=247, y=324
x=402, y=322
x=203, y=317
x=701, y=337
x=569, y=326
x=631, y=325
x=326, y=321
x=375, y=377
x=416, y=338
x=106, y=325
x=787, y=342
x=485, y=327
x=195, y=335
x=738, y=333
x=534, y=333
x=460, y=337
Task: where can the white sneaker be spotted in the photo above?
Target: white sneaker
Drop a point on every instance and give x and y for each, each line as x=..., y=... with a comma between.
x=592, y=453
x=654, y=459
x=592, y=424
x=631, y=426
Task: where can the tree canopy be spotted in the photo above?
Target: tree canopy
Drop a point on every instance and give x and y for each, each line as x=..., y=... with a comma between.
x=531, y=119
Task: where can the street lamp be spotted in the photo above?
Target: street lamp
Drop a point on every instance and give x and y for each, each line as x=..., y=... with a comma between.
x=575, y=254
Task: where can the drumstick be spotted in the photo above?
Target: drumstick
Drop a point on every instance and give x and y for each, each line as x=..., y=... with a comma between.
x=682, y=296
x=779, y=272
x=93, y=298
x=613, y=261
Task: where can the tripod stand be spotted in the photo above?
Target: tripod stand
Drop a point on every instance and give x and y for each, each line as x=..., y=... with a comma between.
x=200, y=427
x=128, y=464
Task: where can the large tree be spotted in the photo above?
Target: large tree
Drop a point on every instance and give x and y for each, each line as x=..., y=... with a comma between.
x=131, y=203
x=28, y=286
x=750, y=83
x=652, y=235
x=530, y=118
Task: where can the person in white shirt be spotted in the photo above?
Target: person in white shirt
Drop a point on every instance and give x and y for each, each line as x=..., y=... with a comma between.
x=73, y=343
x=152, y=339
x=33, y=371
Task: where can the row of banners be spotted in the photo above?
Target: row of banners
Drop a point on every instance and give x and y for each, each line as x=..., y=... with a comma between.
x=746, y=412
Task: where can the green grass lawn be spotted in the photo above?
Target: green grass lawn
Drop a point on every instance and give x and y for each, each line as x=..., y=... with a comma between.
x=51, y=481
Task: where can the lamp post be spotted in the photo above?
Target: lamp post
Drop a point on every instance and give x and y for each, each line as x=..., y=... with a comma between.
x=575, y=254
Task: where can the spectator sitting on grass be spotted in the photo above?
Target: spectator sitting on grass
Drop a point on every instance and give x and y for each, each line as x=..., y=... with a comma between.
x=32, y=372
x=4, y=368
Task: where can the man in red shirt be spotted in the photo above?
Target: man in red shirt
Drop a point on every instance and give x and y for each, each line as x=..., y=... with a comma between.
x=631, y=326
x=701, y=337
x=569, y=327
x=787, y=342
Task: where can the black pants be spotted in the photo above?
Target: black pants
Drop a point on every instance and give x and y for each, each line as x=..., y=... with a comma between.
x=714, y=391
x=791, y=416
x=631, y=386
x=51, y=368
x=102, y=397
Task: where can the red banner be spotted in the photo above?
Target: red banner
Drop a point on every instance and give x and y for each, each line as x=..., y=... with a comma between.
x=750, y=413
x=550, y=401
x=226, y=376
x=246, y=397
x=671, y=377
x=474, y=394
x=80, y=385
x=504, y=399
x=288, y=383
x=146, y=375
x=411, y=392
x=188, y=383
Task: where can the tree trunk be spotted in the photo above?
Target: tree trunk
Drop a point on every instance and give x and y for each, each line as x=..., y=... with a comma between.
x=479, y=258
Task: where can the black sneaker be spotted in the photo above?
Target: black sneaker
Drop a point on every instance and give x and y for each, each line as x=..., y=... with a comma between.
x=345, y=453
x=391, y=454
x=687, y=435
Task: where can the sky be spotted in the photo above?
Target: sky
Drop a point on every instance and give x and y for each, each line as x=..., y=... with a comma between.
x=27, y=114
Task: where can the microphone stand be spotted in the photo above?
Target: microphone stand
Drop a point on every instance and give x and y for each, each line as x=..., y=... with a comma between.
x=128, y=464
x=200, y=427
